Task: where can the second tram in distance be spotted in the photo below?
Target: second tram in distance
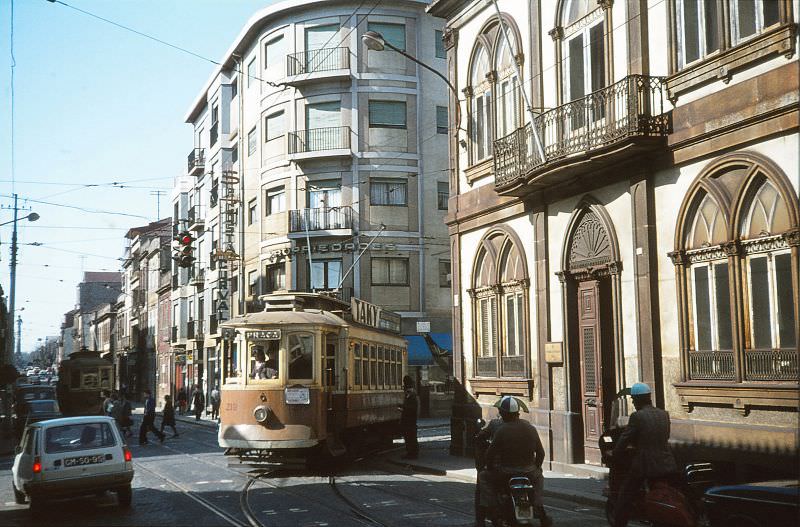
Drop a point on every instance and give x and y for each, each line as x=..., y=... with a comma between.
x=309, y=377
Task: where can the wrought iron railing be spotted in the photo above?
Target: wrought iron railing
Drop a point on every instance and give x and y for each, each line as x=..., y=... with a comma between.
x=771, y=365
x=711, y=365
x=212, y=324
x=195, y=215
x=323, y=219
x=316, y=139
x=634, y=106
x=199, y=276
x=174, y=334
x=318, y=60
x=197, y=159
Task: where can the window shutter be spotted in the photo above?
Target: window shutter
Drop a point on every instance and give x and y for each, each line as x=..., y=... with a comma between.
x=323, y=115
x=321, y=36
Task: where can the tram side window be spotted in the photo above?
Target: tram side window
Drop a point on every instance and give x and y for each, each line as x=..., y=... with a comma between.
x=301, y=356
x=75, y=379
x=373, y=366
x=365, y=367
x=264, y=360
x=231, y=362
x=105, y=378
x=89, y=379
x=393, y=367
x=330, y=364
x=357, y=364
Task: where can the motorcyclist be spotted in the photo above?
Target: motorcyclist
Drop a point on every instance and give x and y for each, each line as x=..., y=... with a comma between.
x=648, y=432
x=515, y=450
x=482, y=441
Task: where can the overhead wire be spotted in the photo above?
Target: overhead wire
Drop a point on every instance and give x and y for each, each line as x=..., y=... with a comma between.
x=82, y=209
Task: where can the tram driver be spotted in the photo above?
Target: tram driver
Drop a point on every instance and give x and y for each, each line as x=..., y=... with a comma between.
x=265, y=366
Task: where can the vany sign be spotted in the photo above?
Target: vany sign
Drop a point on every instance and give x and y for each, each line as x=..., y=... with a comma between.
x=365, y=313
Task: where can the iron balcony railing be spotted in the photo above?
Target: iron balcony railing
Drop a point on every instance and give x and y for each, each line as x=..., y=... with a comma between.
x=318, y=60
x=759, y=365
x=197, y=160
x=195, y=217
x=174, y=334
x=322, y=219
x=199, y=276
x=632, y=107
x=212, y=324
x=316, y=139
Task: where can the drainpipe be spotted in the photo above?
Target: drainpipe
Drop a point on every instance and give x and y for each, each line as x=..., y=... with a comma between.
x=239, y=147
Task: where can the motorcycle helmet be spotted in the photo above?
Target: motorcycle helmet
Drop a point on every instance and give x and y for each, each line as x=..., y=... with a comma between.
x=510, y=405
x=640, y=388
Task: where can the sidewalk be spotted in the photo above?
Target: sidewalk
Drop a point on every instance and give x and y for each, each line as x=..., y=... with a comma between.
x=435, y=459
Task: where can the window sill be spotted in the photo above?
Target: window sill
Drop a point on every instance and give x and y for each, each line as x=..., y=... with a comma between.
x=776, y=41
x=480, y=169
x=502, y=386
x=740, y=396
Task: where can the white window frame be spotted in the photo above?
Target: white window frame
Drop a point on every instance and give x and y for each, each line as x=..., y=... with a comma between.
x=377, y=120
x=274, y=40
x=484, y=304
x=519, y=320
x=274, y=117
x=438, y=41
x=389, y=262
x=251, y=71
x=382, y=189
x=587, y=54
x=701, y=30
x=759, y=19
x=774, y=322
x=252, y=142
x=275, y=196
x=713, y=309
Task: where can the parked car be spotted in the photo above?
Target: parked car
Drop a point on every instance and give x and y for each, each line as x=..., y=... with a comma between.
x=24, y=394
x=71, y=456
x=765, y=504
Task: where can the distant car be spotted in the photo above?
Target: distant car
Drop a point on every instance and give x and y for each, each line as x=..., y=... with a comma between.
x=72, y=456
x=765, y=504
x=24, y=394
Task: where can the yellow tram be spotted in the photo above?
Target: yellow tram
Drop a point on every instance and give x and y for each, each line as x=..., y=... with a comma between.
x=310, y=375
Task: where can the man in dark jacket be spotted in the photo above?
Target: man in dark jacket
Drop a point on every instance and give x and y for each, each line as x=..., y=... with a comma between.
x=408, y=419
x=149, y=419
x=198, y=402
x=648, y=432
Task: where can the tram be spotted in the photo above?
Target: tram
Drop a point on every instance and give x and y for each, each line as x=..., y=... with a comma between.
x=82, y=378
x=309, y=377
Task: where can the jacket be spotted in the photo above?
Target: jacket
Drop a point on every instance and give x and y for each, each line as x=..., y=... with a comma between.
x=648, y=432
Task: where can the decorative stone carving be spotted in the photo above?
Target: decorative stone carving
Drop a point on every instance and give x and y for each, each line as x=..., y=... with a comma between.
x=450, y=38
x=606, y=4
x=562, y=276
x=519, y=59
x=467, y=92
x=677, y=257
x=492, y=76
x=557, y=33
x=590, y=244
x=792, y=238
x=731, y=248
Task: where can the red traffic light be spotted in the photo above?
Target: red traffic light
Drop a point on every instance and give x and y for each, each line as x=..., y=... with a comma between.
x=184, y=238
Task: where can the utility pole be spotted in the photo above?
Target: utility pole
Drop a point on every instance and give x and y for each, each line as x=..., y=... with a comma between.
x=18, y=356
x=158, y=194
x=13, y=287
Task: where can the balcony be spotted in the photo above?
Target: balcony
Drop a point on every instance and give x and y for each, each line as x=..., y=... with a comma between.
x=212, y=325
x=316, y=143
x=194, y=330
x=311, y=65
x=197, y=161
x=196, y=219
x=198, y=277
x=323, y=221
x=584, y=136
x=214, y=134
x=174, y=334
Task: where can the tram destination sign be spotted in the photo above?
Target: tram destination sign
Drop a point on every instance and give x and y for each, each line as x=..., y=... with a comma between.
x=266, y=334
x=371, y=315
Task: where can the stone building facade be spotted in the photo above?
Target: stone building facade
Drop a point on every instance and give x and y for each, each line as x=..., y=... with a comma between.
x=624, y=207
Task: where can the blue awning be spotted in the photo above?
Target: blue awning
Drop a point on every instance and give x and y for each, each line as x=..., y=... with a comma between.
x=443, y=340
x=419, y=354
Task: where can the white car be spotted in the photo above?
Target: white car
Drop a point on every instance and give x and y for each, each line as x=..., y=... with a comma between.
x=72, y=456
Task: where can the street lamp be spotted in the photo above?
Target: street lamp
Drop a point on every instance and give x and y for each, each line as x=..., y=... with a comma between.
x=375, y=42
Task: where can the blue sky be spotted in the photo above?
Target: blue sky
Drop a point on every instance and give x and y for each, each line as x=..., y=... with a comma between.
x=95, y=104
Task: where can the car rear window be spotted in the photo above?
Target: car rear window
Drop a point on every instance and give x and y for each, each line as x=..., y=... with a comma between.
x=46, y=407
x=84, y=436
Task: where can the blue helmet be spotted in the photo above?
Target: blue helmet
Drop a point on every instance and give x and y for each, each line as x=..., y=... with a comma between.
x=640, y=388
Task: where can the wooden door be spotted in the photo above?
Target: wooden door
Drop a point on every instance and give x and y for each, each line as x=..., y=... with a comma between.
x=590, y=337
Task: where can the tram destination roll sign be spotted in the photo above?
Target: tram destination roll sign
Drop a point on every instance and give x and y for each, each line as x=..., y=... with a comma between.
x=371, y=315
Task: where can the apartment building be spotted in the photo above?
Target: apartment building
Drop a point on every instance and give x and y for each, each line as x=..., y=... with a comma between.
x=624, y=207
x=146, y=271
x=317, y=165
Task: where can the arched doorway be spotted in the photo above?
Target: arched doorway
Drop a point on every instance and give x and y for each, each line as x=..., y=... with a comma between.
x=591, y=287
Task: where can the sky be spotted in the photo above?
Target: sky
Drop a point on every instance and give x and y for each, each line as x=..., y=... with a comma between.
x=98, y=129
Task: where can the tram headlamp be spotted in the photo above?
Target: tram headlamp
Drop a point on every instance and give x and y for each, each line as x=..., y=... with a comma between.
x=261, y=413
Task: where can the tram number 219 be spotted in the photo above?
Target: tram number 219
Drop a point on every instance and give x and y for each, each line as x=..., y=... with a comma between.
x=231, y=407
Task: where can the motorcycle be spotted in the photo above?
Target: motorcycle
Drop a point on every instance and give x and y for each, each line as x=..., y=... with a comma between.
x=512, y=503
x=672, y=501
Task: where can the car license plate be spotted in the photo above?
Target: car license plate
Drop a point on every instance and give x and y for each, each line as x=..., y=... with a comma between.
x=83, y=460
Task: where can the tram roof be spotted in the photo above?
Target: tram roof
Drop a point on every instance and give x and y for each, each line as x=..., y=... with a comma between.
x=307, y=316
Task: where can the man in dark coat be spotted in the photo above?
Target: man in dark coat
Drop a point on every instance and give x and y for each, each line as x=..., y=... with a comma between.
x=149, y=419
x=648, y=431
x=198, y=402
x=408, y=419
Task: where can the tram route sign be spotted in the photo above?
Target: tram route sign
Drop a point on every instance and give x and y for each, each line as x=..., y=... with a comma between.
x=267, y=334
x=297, y=395
x=371, y=315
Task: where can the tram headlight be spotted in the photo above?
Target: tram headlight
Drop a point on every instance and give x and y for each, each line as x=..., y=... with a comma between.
x=261, y=413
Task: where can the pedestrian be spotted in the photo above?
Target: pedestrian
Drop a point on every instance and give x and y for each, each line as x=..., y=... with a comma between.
x=215, y=401
x=106, y=403
x=126, y=415
x=168, y=416
x=115, y=408
x=198, y=402
x=408, y=419
x=149, y=419
x=182, y=400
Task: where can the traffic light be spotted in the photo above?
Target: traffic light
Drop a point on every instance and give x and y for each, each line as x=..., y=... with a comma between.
x=185, y=255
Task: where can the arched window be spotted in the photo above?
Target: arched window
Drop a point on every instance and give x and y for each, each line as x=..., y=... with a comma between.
x=499, y=293
x=584, y=54
x=481, y=107
x=508, y=94
x=737, y=244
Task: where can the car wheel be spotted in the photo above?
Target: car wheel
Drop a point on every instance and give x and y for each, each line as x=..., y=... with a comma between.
x=19, y=497
x=125, y=496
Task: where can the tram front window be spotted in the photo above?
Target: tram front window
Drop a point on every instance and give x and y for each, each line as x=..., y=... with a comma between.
x=301, y=356
x=264, y=360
